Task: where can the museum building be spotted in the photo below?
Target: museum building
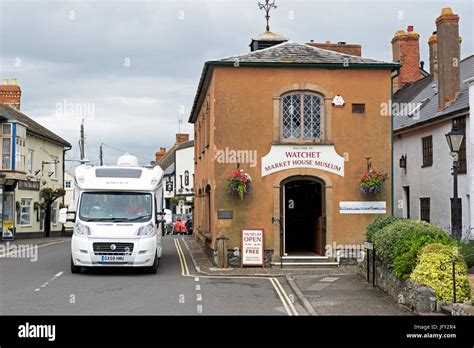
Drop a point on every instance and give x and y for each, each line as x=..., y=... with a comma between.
x=297, y=126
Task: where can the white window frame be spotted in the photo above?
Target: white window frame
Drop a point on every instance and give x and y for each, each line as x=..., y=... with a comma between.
x=25, y=210
x=54, y=213
x=30, y=161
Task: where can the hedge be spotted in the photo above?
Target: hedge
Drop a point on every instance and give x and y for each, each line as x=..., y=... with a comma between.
x=376, y=225
x=411, y=242
x=428, y=272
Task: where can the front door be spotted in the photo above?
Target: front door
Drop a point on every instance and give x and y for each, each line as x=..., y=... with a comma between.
x=304, y=220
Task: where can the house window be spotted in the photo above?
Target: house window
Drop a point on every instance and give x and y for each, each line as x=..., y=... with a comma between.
x=406, y=193
x=462, y=162
x=54, y=168
x=425, y=209
x=20, y=151
x=186, y=178
x=7, y=129
x=427, y=145
x=301, y=117
x=54, y=213
x=25, y=212
x=30, y=161
x=6, y=154
x=68, y=184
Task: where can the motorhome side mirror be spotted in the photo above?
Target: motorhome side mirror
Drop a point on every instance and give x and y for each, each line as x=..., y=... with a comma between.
x=63, y=216
x=168, y=216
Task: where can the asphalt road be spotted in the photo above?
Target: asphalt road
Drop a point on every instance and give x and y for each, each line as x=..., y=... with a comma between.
x=47, y=287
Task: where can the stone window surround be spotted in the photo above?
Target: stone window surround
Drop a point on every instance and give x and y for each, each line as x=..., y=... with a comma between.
x=302, y=87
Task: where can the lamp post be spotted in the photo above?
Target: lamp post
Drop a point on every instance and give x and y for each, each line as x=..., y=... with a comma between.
x=454, y=139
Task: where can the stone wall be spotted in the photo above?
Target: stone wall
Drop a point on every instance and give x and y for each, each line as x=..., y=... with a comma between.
x=417, y=297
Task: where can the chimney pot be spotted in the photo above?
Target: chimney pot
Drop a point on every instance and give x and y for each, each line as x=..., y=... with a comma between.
x=14, y=81
x=410, y=28
x=448, y=51
x=5, y=82
x=328, y=41
x=181, y=138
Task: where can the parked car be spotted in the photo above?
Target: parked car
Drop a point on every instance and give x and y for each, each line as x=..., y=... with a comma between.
x=179, y=227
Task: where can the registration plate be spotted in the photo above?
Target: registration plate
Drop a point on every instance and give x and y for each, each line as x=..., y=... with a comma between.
x=113, y=258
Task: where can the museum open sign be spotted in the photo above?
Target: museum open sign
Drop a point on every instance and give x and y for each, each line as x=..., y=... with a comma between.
x=252, y=247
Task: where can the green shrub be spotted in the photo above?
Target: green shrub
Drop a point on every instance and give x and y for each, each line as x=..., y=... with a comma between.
x=386, y=239
x=428, y=272
x=468, y=249
x=413, y=238
x=376, y=225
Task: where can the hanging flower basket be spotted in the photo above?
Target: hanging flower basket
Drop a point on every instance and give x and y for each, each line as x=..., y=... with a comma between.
x=239, y=183
x=372, y=182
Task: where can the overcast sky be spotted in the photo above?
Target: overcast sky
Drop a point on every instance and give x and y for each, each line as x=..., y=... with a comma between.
x=134, y=66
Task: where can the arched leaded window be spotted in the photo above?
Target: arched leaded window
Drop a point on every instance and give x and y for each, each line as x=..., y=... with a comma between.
x=302, y=116
x=186, y=178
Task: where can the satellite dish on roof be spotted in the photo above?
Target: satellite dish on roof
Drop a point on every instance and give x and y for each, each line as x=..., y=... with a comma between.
x=127, y=160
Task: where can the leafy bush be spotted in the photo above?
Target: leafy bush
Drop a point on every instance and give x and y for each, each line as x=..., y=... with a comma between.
x=468, y=249
x=376, y=225
x=428, y=272
x=414, y=237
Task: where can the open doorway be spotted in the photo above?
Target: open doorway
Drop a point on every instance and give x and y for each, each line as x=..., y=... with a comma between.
x=303, y=216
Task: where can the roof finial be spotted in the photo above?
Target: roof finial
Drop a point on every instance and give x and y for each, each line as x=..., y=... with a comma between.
x=267, y=7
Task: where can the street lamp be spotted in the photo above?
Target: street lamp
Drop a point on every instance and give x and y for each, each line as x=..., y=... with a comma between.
x=454, y=139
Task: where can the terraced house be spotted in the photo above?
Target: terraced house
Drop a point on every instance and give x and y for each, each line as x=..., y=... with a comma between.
x=423, y=170
x=32, y=160
x=304, y=122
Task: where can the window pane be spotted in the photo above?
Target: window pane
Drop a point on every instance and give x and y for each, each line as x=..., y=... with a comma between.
x=7, y=129
x=291, y=119
x=312, y=117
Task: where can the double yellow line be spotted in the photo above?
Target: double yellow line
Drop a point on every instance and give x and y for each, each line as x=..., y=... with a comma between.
x=287, y=303
x=182, y=258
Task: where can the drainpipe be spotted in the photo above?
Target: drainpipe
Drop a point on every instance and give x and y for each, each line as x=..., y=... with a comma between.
x=391, y=125
x=65, y=149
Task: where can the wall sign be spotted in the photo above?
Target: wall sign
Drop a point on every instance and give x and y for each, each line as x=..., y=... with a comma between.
x=322, y=157
x=29, y=185
x=379, y=207
x=338, y=101
x=252, y=247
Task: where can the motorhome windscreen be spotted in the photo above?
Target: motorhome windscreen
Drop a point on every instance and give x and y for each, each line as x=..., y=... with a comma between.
x=118, y=173
x=116, y=206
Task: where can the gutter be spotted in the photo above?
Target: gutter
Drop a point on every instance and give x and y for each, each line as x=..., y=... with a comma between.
x=392, y=137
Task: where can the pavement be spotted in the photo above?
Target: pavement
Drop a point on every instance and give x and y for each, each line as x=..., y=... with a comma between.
x=321, y=291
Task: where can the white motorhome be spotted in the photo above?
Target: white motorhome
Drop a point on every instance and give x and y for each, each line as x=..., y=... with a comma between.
x=117, y=216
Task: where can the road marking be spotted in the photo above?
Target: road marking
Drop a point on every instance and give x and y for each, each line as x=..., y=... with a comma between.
x=290, y=303
x=196, y=279
x=198, y=287
x=57, y=275
x=290, y=309
x=198, y=297
x=182, y=259
x=199, y=308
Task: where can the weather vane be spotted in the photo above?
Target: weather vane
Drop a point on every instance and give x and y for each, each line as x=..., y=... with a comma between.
x=267, y=7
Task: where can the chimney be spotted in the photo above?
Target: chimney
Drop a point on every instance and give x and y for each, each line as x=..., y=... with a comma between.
x=406, y=51
x=160, y=154
x=433, y=44
x=449, y=56
x=181, y=138
x=10, y=94
x=340, y=47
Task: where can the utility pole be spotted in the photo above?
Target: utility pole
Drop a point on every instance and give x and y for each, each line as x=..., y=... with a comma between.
x=101, y=154
x=81, y=143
